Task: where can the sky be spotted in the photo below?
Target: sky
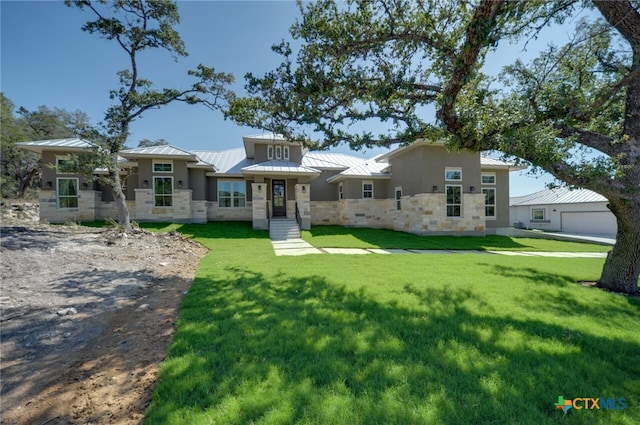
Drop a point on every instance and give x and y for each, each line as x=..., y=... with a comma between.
x=45, y=59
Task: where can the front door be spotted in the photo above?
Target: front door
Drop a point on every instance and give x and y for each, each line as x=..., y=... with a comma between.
x=278, y=198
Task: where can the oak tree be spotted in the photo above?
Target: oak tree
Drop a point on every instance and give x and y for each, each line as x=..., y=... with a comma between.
x=137, y=26
x=416, y=66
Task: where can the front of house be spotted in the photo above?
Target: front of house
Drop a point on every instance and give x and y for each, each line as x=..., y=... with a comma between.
x=420, y=188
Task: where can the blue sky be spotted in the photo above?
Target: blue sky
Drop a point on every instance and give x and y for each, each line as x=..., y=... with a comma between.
x=47, y=60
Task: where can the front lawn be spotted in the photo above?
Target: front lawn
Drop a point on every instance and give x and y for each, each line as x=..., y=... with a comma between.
x=342, y=237
x=394, y=339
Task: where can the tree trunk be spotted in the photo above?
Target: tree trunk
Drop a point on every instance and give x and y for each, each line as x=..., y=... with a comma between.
x=120, y=200
x=622, y=266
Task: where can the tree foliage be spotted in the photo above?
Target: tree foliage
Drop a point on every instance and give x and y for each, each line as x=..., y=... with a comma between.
x=20, y=169
x=415, y=69
x=137, y=26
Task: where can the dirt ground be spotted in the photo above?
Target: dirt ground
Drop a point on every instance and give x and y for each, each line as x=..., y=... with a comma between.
x=86, y=318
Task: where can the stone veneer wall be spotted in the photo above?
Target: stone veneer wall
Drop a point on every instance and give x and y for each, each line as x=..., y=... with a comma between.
x=86, y=211
x=215, y=213
x=420, y=214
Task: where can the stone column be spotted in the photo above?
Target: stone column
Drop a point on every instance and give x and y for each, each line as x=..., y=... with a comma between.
x=303, y=200
x=259, y=206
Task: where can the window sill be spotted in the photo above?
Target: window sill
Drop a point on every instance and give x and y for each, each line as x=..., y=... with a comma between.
x=539, y=221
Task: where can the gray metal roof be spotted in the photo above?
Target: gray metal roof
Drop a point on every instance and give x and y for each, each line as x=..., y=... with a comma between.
x=328, y=160
x=156, y=151
x=488, y=162
x=230, y=161
x=370, y=168
x=70, y=144
x=279, y=167
x=563, y=195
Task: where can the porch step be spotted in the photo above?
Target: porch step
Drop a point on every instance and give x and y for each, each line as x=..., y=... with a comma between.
x=283, y=229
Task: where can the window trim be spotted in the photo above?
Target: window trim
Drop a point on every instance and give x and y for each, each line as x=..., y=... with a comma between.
x=270, y=151
x=278, y=152
x=285, y=153
x=544, y=214
x=231, y=196
x=163, y=195
x=489, y=205
x=398, y=196
x=446, y=200
x=482, y=175
x=165, y=162
x=340, y=191
x=76, y=196
x=58, y=159
x=454, y=169
x=365, y=191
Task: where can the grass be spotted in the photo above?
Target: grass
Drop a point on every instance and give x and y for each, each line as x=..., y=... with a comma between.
x=341, y=237
x=393, y=339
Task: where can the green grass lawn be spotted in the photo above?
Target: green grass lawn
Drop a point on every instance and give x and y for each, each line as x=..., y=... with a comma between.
x=393, y=339
x=341, y=237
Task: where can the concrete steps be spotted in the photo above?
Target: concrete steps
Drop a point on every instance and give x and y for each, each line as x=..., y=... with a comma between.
x=283, y=229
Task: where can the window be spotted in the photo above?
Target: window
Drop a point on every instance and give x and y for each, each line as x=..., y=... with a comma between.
x=398, y=198
x=285, y=151
x=489, y=202
x=278, y=152
x=163, y=191
x=454, y=201
x=270, y=152
x=538, y=214
x=367, y=189
x=488, y=178
x=61, y=163
x=340, y=191
x=453, y=174
x=162, y=167
x=67, y=193
x=232, y=194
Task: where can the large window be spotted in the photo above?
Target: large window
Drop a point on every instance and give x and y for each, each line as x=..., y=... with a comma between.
x=367, y=189
x=232, y=194
x=163, y=167
x=453, y=174
x=163, y=191
x=454, y=200
x=489, y=202
x=67, y=193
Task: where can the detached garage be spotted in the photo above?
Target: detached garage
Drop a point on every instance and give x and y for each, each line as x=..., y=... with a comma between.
x=577, y=211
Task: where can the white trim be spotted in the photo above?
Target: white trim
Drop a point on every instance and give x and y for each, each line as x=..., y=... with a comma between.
x=154, y=194
x=485, y=174
x=270, y=151
x=278, y=152
x=452, y=169
x=367, y=182
x=58, y=159
x=494, y=205
x=231, y=196
x=447, y=204
x=544, y=214
x=77, y=196
x=340, y=191
x=398, y=199
x=164, y=162
x=286, y=154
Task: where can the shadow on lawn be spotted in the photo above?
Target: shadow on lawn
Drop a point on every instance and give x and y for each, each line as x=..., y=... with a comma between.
x=252, y=347
x=385, y=238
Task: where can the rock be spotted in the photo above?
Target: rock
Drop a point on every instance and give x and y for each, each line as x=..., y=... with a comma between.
x=144, y=307
x=67, y=311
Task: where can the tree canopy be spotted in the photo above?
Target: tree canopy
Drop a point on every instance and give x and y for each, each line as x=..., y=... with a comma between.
x=138, y=26
x=416, y=66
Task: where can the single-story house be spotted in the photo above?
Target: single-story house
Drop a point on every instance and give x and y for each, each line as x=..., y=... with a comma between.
x=579, y=211
x=421, y=188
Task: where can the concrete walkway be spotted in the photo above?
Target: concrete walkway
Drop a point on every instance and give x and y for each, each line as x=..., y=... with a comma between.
x=300, y=247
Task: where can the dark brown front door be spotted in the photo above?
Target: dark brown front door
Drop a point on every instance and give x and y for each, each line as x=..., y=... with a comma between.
x=278, y=198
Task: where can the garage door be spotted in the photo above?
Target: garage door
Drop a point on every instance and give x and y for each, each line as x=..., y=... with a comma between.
x=589, y=223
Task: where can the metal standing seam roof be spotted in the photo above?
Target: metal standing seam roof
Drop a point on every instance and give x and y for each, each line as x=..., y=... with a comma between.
x=367, y=169
x=279, y=167
x=328, y=160
x=563, y=195
x=489, y=162
x=62, y=144
x=162, y=150
x=229, y=162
